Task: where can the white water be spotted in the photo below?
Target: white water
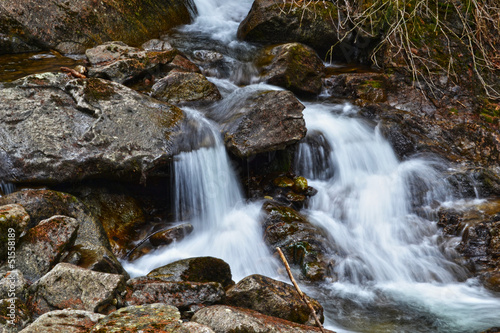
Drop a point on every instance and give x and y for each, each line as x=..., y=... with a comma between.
x=393, y=275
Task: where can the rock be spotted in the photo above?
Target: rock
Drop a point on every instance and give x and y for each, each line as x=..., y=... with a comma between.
x=14, y=315
x=43, y=246
x=185, y=87
x=272, y=298
x=14, y=222
x=121, y=215
x=170, y=235
x=13, y=282
x=361, y=87
x=144, y=318
x=300, y=184
x=121, y=63
x=183, y=295
x=54, y=129
x=261, y=121
x=67, y=321
x=71, y=287
x=200, y=269
x=293, y=66
x=222, y=319
x=91, y=246
x=157, y=45
x=75, y=26
x=287, y=21
x=193, y=327
x=303, y=244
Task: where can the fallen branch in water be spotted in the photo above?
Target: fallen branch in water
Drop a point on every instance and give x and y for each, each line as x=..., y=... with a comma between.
x=301, y=294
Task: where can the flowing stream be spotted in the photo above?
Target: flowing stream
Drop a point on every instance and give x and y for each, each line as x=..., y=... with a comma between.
x=394, y=273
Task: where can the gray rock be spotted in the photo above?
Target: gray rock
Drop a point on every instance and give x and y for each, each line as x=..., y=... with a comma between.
x=261, y=122
x=66, y=321
x=293, y=66
x=144, y=318
x=13, y=282
x=54, y=130
x=273, y=298
x=12, y=218
x=14, y=315
x=225, y=319
x=200, y=269
x=183, y=295
x=43, y=246
x=193, y=327
x=185, y=87
x=157, y=45
x=73, y=287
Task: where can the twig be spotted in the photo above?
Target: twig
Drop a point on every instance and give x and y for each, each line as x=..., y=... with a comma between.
x=73, y=73
x=301, y=294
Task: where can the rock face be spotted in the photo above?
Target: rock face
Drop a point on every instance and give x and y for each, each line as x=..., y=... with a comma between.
x=67, y=321
x=170, y=235
x=44, y=245
x=72, y=27
x=73, y=287
x=16, y=280
x=262, y=121
x=54, y=129
x=302, y=243
x=12, y=218
x=293, y=66
x=182, y=295
x=223, y=319
x=275, y=22
x=116, y=61
x=200, y=269
x=91, y=247
x=146, y=318
x=185, y=87
x=272, y=298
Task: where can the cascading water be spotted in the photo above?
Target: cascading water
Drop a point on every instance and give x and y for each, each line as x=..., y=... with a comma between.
x=393, y=274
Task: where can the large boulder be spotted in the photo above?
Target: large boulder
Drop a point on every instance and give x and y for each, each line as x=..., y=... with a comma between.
x=143, y=318
x=124, y=64
x=273, y=298
x=185, y=87
x=67, y=321
x=288, y=21
x=183, y=295
x=262, y=121
x=14, y=222
x=223, y=319
x=293, y=66
x=91, y=247
x=72, y=27
x=199, y=269
x=54, y=129
x=304, y=245
x=71, y=287
x=44, y=245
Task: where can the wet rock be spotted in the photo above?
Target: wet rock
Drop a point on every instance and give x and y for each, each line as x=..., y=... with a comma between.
x=71, y=287
x=73, y=27
x=222, y=319
x=170, y=235
x=183, y=295
x=157, y=45
x=193, y=327
x=273, y=298
x=14, y=315
x=55, y=129
x=91, y=245
x=121, y=63
x=43, y=246
x=293, y=66
x=185, y=87
x=13, y=282
x=361, y=87
x=303, y=244
x=261, y=122
x=67, y=321
x=12, y=218
x=199, y=269
x=144, y=318
x=287, y=21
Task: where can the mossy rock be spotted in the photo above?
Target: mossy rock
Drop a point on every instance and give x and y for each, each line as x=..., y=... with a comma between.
x=14, y=223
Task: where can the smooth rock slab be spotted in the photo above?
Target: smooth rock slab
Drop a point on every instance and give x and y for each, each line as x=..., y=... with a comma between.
x=272, y=298
x=73, y=287
x=64, y=321
x=225, y=319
